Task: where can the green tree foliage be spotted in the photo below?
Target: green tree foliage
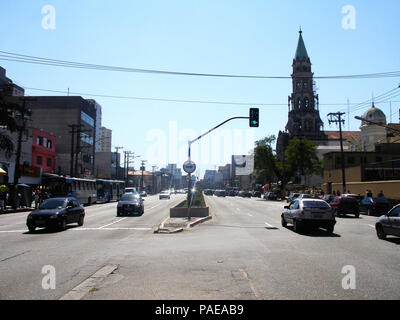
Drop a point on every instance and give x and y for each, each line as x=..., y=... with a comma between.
x=301, y=157
x=7, y=124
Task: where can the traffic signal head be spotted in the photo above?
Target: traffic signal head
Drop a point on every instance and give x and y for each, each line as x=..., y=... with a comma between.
x=254, y=114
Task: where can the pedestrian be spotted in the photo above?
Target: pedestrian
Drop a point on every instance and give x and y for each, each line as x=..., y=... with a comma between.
x=37, y=200
x=380, y=194
x=369, y=193
x=338, y=193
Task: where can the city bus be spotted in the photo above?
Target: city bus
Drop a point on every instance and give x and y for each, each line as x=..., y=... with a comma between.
x=84, y=190
x=108, y=190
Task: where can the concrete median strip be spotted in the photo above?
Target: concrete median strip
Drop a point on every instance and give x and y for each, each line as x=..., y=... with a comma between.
x=89, y=284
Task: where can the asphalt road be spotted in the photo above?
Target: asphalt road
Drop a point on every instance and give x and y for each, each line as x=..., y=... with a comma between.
x=242, y=253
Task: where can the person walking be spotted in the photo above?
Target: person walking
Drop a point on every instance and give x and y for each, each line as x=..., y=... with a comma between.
x=380, y=194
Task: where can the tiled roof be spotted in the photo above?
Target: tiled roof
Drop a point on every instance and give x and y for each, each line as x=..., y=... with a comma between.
x=395, y=126
x=335, y=135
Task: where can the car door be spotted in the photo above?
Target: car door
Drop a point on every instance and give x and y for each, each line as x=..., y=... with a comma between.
x=394, y=221
x=70, y=211
x=77, y=210
x=294, y=205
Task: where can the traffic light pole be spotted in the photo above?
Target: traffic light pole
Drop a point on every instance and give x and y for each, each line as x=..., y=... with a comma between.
x=189, y=156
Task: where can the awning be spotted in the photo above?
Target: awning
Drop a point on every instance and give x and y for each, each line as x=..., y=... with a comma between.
x=2, y=172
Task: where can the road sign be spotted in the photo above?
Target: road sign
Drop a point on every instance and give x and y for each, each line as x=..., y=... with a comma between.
x=189, y=166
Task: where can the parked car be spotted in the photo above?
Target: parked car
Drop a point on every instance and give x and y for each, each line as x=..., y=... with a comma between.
x=130, y=190
x=56, y=213
x=130, y=203
x=389, y=224
x=269, y=195
x=309, y=212
x=244, y=194
x=256, y=194
x=165, y=195
x=208, y=192
x=220, y=193
x=345, y=205
x=374, y=206
x=357, y=196
x=292, y=196
x=304, y=196
x=143, y=194
x=328, y=197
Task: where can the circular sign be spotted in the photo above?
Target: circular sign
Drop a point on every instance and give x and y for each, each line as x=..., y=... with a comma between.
x=189, y=166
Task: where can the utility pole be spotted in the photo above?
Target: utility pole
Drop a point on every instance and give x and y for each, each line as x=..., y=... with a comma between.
x=142, y=168
x=153, y=172
x=129, y=155
x=116, y=161
x=337, y=118
x=23, y=112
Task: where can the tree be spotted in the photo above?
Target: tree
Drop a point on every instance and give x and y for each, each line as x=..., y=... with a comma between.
x=301, y=157
x=264, y=160
x=8, y=124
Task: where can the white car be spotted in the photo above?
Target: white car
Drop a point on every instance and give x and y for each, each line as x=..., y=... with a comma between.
x=309, y=212
x=130, y=190
x=165, y=195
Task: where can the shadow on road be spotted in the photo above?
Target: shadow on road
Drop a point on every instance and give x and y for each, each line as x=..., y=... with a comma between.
x=49, y=230
x=316, y=233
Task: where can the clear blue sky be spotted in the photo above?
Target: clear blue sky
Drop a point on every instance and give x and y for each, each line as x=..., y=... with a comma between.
x=233, y=37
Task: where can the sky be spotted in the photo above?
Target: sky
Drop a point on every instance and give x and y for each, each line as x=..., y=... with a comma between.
x=217, y=37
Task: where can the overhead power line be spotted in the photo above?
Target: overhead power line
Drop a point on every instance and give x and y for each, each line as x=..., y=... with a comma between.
x=16, y=57
x=175, y=100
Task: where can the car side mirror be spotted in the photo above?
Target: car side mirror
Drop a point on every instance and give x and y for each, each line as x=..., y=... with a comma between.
x=286, y=207
x=69, y=207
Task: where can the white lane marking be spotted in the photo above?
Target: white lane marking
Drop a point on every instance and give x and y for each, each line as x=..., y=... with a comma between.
x=112, y=223
x=121, y=228
x=372, y=226
x=269, y=226
x=13, y=231
x=249, y=214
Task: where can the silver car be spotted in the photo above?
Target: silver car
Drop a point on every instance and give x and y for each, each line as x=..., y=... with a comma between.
x=309, y=212
x=389, y=224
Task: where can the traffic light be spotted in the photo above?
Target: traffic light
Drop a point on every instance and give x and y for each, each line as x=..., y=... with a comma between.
x=254, y=113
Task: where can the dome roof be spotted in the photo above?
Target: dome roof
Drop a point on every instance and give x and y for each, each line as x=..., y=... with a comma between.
x=375, y=115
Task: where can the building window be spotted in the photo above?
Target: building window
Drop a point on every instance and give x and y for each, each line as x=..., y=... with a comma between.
x=39, y=160
x=48, y=162
x=39, y=141
x=49, y=145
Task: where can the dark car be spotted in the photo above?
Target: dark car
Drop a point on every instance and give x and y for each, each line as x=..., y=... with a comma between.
x=328, y=198
x=220, y=193
x=270, y=196
x=56, y=213
x=389, y=224
x=208, y=192
x=244, y=194
x=292, y=196
x=345, y=205
x=130, y=203
x=374, y=206
x=256, y=194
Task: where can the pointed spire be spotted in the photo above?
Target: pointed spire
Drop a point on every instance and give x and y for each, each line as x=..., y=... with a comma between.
x=301, y=51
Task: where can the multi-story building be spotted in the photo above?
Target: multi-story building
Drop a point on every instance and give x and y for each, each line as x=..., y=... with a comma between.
x=71, y=120
x=106, y=139
x=97, y=124
x=43, y=151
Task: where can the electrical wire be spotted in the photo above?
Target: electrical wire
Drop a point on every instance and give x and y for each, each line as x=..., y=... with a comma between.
x=16, y=57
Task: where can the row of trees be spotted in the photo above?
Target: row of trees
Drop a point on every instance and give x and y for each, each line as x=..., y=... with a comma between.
x=300, y=160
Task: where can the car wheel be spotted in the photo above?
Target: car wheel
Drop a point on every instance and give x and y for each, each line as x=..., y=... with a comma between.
x=63, y=225
x=296, y=226
x=80, y=221
x=283, y=221
x=329, y=230
x=357, y=215
x=380, y=233
x=31, y=228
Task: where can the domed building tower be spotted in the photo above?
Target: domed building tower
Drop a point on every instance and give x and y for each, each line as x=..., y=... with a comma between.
x=372, y=134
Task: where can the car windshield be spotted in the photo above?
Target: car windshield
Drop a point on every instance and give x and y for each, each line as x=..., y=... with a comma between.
x=315, y=204
x=130, y=197
x=53, y=204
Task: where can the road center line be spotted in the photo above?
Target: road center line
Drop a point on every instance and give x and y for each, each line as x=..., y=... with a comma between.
x=112, y=223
